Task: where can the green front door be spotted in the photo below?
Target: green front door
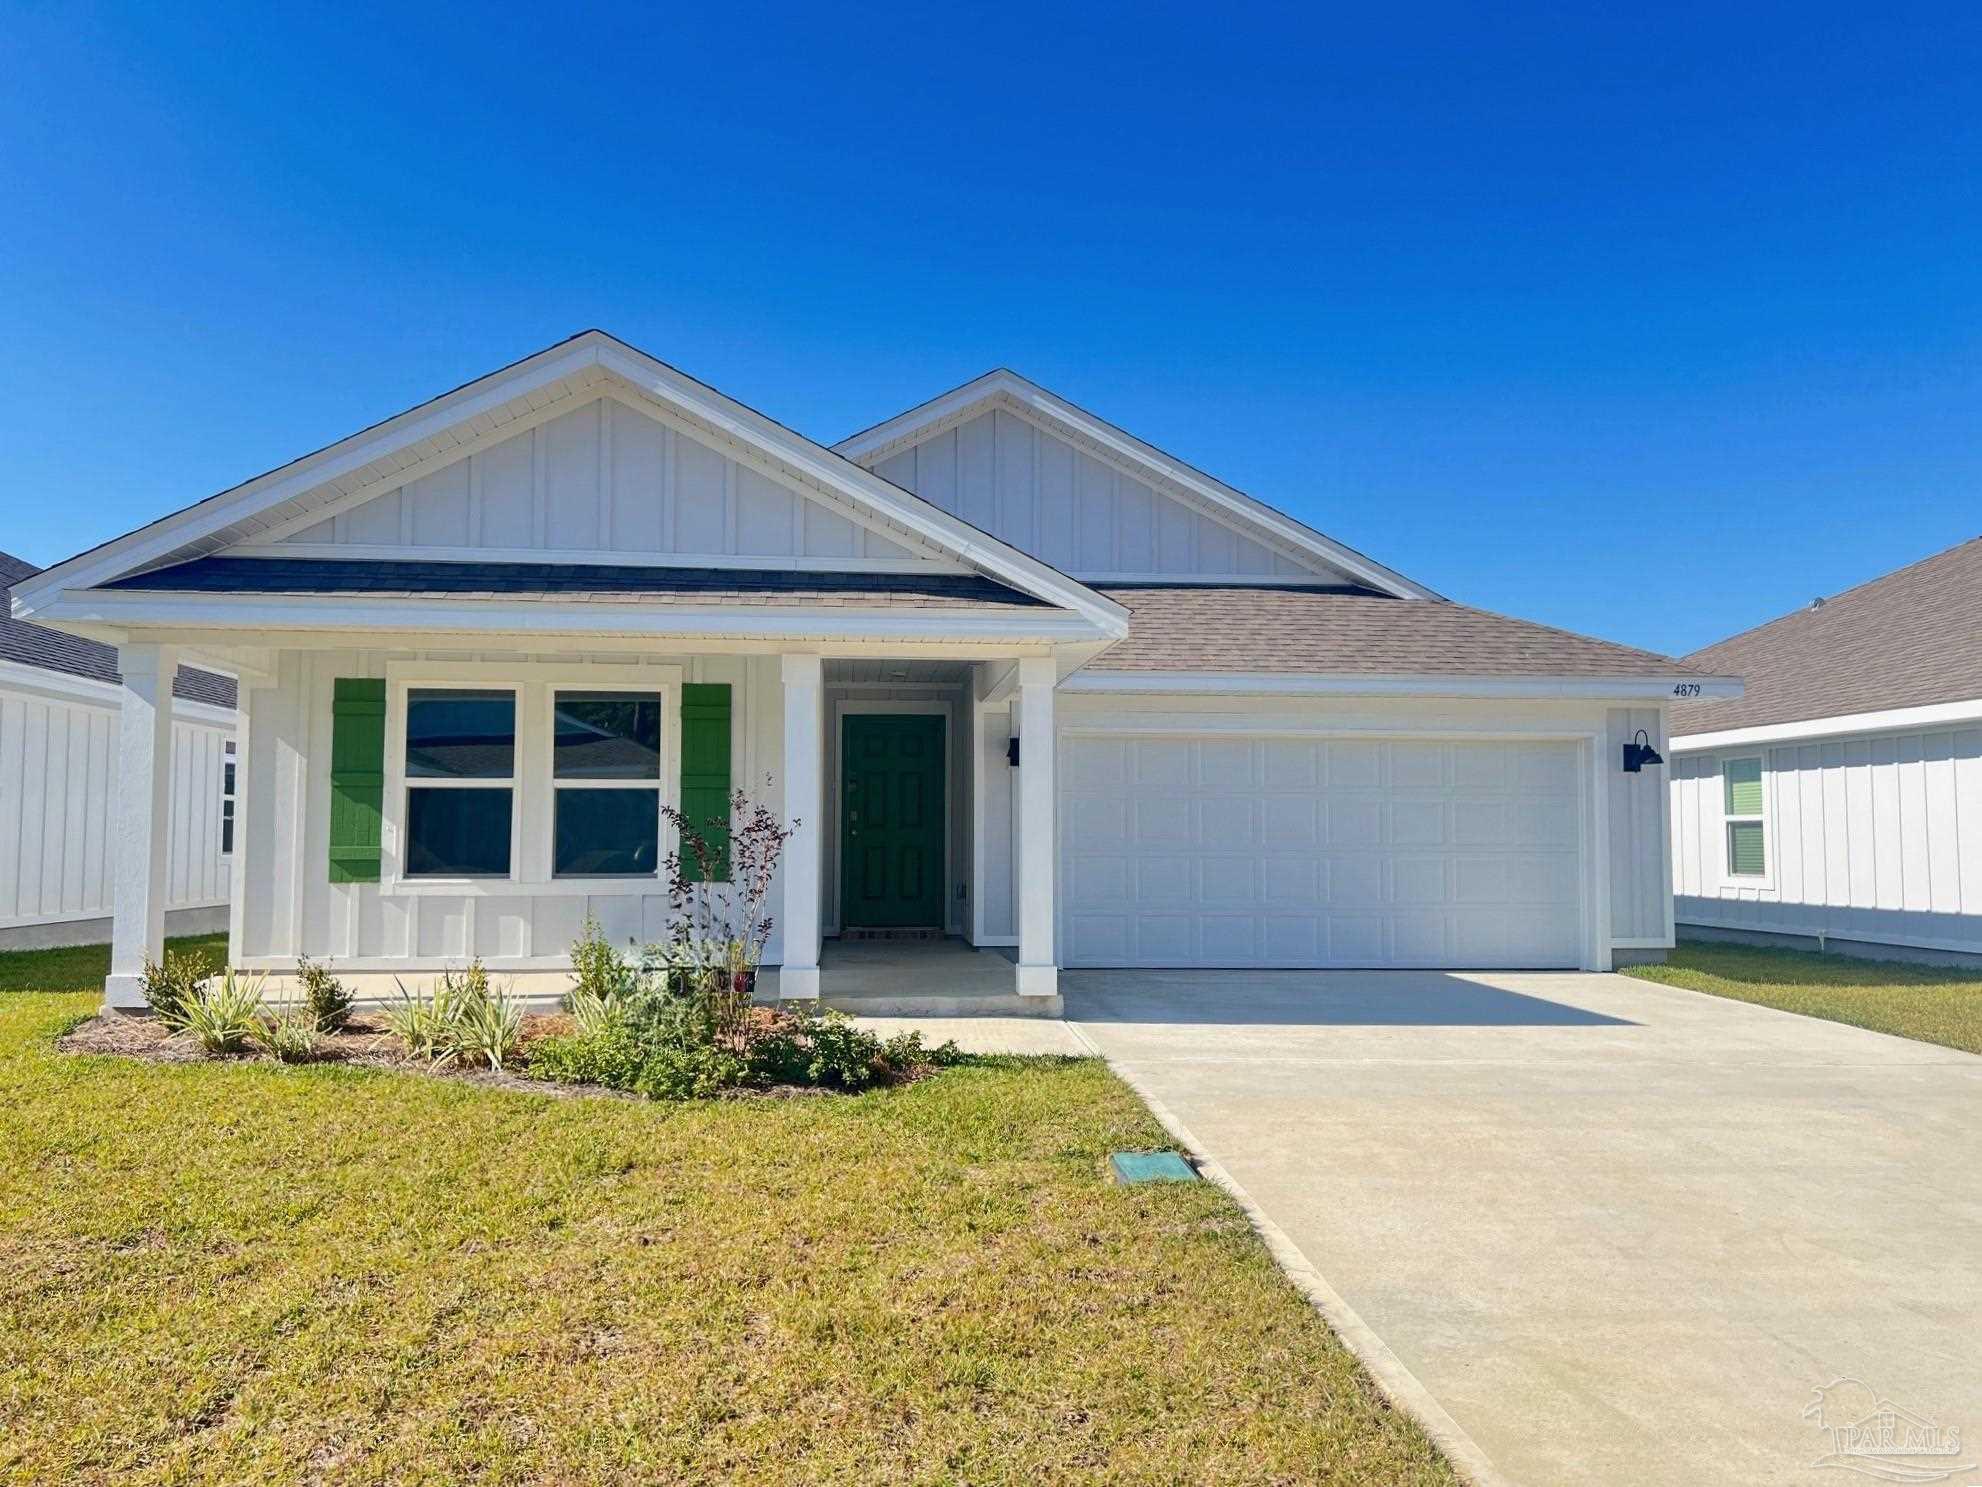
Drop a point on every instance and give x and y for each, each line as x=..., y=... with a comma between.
x=891, y=821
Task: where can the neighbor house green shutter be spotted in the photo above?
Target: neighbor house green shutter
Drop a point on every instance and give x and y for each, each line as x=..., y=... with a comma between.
x=357, y=778
x=705, y=781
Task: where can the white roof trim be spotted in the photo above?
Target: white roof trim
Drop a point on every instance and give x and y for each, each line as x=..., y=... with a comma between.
x=1413, y=684
x=1028, y=397
x=84, y=610
x=584, y=356
x=1893, y=719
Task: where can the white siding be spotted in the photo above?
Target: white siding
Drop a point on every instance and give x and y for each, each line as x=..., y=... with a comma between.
x=607, y=481
x=55, y=807
x=1640, y=875
x=1092, y=519
x=1875, y=838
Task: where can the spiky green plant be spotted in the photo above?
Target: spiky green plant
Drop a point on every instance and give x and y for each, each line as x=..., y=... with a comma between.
x=289, y=1034
x=224, y=1013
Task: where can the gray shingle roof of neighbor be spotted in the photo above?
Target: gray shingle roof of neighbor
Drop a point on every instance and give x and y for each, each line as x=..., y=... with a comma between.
x=584, y=582
x=1908, y=639
x=1334, y=631
x=52, y=650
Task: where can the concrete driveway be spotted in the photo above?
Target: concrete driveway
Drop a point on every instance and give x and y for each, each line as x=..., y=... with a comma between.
x=1619, y=1232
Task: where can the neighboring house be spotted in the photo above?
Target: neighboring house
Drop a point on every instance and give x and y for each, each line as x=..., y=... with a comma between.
x=1839, y=801
x=1013, y=673
x=59, y=696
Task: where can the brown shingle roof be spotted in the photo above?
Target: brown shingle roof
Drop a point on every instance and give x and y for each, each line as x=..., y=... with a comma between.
x=1247, y=628
x=53, y=650
x=1911, y=638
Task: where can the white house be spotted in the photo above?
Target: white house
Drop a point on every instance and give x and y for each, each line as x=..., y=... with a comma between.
x=59, y=697
x=1015, y=674
x=1838, y=803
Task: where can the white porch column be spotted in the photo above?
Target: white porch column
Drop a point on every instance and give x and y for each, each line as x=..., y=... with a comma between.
x=1039, y=970
x=141, y=819
x=805, y=753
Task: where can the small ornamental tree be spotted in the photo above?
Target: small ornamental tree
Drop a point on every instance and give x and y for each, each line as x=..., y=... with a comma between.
x=719, y=915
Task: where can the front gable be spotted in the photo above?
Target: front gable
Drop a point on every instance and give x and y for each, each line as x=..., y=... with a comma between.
x=606, y=482
x=1094, y=500
x=587, y=453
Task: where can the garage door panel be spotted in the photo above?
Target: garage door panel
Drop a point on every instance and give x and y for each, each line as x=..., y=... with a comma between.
x=1291, y=821
x=1181, y=851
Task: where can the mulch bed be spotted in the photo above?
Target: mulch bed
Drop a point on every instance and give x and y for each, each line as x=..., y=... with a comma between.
x=364, y=1043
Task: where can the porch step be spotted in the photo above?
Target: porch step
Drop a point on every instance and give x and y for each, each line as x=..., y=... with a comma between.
x=895, y=1004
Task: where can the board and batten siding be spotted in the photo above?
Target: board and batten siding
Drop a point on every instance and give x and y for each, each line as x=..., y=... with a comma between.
x=1031, y=488
x=604, y=481
x=1875, y=838
x=290, y=907
x=56, y=796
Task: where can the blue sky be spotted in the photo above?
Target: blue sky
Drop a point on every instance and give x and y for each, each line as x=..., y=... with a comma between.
x=1650, y=322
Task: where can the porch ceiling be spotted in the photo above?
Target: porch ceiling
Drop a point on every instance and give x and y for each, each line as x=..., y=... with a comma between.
x=885, y=671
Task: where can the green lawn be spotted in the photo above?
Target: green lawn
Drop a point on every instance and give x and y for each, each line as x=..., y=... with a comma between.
x=1932, y=1003
x=241, y=1272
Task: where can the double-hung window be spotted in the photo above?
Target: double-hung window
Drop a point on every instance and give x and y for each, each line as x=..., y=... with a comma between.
x=1744, y=811
x=460, y=781
x=606, y=778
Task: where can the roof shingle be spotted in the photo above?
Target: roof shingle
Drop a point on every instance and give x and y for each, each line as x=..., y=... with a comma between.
x=1254, y=628
x=1908, y=639
x=578, y=582
x=52, y=650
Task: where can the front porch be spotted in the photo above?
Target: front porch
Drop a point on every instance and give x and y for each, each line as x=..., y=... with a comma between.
x=342, y=780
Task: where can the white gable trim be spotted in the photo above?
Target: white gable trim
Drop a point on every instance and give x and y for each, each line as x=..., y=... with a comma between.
x=567, y=374
x=1129, y=455
x=1888, y=720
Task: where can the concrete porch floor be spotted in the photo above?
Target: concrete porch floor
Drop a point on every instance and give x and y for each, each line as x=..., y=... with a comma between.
x=930, y=978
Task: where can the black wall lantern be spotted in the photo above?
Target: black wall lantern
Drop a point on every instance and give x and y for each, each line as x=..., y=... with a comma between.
x=1639, y=752
x=1012, y=752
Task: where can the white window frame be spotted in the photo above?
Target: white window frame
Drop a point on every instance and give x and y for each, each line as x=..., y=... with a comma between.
x=533, y=802
x=1765, y=879
x=658, y=785
x=512, y=782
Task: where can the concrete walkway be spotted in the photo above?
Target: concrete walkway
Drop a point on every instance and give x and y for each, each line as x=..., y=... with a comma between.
x=1620, y=1232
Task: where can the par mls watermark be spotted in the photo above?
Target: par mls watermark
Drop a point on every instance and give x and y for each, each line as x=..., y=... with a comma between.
x=1871, y=1435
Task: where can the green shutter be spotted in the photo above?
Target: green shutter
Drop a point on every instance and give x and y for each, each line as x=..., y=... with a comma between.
x=357, y=778
x=1744, y=849
x=1744, y=786
x=705, y=781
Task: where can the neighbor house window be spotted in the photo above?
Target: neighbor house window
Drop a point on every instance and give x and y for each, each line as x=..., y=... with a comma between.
x=606, y=774
x=460, y=782
x=227, y=801
x=1746, y=823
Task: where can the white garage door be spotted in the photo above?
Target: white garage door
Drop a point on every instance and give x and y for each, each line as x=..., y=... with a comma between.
x=1284, y=851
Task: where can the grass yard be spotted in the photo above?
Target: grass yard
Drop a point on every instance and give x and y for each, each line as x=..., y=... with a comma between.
x=235, y=1272
x=1935, y=1004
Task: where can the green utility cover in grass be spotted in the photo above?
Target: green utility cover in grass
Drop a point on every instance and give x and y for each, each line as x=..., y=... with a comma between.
x=1151, y=1166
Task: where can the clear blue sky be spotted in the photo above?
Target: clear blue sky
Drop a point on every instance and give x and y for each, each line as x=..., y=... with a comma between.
x=1647, y=321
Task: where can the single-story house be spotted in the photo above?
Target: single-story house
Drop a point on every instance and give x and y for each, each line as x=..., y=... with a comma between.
x=1012, y=674
x=1838, y=803
x=59, y=696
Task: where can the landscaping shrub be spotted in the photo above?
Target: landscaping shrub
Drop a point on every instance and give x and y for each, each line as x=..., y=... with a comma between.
x=223, y=1014
x=327, y=998
x=170, y=986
